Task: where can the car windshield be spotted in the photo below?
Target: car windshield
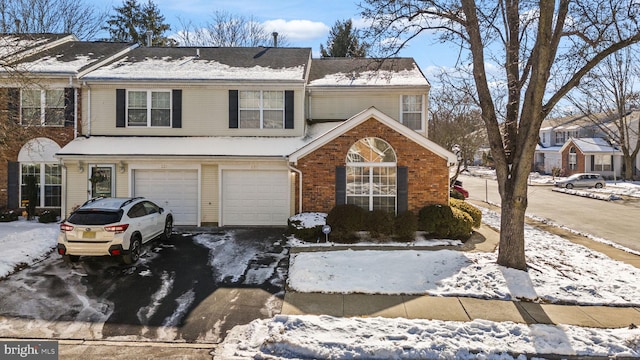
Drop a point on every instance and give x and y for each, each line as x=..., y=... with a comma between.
x=574, y=177
x=95, y=217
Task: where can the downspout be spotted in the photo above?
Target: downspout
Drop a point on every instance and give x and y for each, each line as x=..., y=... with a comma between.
x=299, y=185
x=88, y=109
x=75, y=113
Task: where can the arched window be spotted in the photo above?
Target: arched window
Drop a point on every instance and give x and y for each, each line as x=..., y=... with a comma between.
x=573, y=158
x=371, y=175
x=37, y=159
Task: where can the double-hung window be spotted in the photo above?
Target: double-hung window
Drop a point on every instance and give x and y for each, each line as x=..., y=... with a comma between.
x=602, y=163
x=573, y=158
x=149, y=108
x=412, y=111
x=42, y=107
x=260, y=109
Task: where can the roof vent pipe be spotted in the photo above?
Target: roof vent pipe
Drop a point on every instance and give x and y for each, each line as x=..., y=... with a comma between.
x=275, y=39
x=197, y=53
x=17, y=22
x=149, y=34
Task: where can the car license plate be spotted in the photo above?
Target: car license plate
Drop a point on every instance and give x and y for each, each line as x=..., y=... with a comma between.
x=89, y=234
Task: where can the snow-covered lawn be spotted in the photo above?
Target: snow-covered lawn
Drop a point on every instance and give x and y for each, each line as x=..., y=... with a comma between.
x=559, y=271
x=25, y=242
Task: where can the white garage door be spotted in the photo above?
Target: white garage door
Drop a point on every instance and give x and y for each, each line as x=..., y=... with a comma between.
x=171, y=189
x=255, y=197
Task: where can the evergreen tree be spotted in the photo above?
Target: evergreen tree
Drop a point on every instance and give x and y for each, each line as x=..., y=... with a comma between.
x=131, y=22
x=344, y=42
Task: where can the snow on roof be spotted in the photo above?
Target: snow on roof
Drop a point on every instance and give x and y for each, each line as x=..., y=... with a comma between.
x=12, y=44
x=248, y=146
x=593, y=145
x=365, y=72
x=207, y=64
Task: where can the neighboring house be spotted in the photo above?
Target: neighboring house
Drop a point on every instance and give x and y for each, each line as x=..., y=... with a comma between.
x=251, y=136
x=40, y=109
x=575, y=144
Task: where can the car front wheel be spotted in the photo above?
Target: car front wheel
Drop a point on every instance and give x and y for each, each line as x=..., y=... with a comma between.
x=569, y=186
x=134, y=252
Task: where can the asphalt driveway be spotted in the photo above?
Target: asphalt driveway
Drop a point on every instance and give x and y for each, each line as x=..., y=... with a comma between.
x=190, y=288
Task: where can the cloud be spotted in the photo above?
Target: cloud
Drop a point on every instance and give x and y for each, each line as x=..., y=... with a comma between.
x=298, y=30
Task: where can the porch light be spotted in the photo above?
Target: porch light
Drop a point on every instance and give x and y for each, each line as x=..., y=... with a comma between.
x=81, y=166
x=121, y=166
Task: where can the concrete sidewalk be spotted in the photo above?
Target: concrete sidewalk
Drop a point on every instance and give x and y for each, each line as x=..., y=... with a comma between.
x=467, y=309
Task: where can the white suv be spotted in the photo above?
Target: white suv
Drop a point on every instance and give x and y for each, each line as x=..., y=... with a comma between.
x=112, y=226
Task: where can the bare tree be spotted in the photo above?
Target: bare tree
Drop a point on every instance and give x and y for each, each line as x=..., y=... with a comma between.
x=51, y=16
x=606, y=95
x=542, y=50
x=456, y=122
x=227, y=30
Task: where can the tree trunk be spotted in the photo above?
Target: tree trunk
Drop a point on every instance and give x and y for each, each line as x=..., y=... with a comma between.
x=628, y=167
x=513, y=208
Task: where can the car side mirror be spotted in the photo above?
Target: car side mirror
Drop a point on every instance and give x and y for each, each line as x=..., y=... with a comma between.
x=161, y=210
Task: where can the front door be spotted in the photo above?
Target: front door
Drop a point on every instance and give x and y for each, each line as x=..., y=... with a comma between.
x=101, y=181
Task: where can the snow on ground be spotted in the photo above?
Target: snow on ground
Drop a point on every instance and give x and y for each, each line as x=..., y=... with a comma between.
x=559, y=271
x=25, y=242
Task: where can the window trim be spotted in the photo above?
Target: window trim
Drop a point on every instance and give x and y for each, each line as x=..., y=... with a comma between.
x=149, y=108
x=422, y=111
x=573, y=158
x=42, y=185
x=261, y=109
x=43, y=107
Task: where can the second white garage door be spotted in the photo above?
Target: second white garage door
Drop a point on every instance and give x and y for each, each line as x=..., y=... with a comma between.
x=251, y=197
x=172, y=189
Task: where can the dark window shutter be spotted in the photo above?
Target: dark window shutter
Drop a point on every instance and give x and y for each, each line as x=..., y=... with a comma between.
x=403, y=189
x=288, y=109
x=13, y=104
x=13, y=185
x=121, y=109
x=176, y=102
x=233, y=109
x=593, y=162
x=69, y=106
x=341, y=185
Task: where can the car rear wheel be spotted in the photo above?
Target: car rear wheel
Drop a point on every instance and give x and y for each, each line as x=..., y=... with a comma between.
x=134, y=252
x=168, y=228
x=569, y=186
x=598, y=186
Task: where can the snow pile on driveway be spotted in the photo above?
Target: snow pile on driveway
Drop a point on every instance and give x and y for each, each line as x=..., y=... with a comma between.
x=25, y=242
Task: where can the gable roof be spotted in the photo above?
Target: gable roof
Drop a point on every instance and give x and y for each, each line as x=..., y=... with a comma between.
x=16, y=46
x=207, y=63
x=372, y=113
x=73, y=57
x=590, y=145
x=365, y=72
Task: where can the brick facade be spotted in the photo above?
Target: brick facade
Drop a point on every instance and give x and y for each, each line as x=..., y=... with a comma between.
x=20, y=136
x=428, y=173
x=580, y=161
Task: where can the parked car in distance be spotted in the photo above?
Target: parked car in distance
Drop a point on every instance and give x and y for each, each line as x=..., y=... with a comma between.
x=113, y=227
x=457, y=186
x=582, y=180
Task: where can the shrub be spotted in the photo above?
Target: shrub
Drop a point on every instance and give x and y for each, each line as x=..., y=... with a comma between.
x=307, y=226
x=9, y=216
x=435, y=219
x=461, y=224
x=379, y=223
x=345, y=220
x=473, y=211
x=406, y=225
x=455, y=194
x=48, y=217
x=445, y=221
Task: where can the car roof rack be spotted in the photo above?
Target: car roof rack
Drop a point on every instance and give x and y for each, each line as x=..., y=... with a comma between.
x=130, y=201
x=92, y=200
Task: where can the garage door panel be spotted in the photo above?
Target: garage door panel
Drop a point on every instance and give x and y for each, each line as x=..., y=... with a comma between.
x=176, y=190
x=251, y=197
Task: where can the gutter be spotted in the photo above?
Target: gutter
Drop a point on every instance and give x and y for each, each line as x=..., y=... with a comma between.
x=299, y=185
